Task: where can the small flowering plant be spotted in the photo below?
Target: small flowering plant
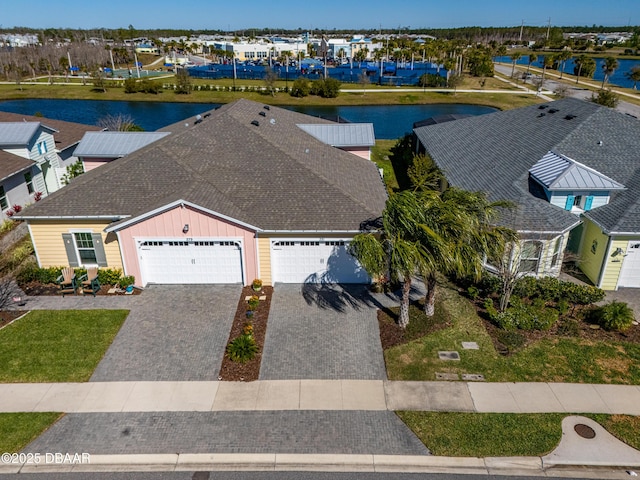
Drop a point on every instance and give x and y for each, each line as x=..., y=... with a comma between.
x=253, y=302
x=257, y=284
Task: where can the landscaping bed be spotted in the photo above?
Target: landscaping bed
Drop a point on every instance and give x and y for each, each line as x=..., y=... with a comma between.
x=36, y=288
x=8, y=316
x=249, y=371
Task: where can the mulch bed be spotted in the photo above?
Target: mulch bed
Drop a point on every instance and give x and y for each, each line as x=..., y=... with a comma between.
x=249, y=371
x=8, y=316
x=37, y=288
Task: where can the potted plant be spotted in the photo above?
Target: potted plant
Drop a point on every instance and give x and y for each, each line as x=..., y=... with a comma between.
x=257, y=284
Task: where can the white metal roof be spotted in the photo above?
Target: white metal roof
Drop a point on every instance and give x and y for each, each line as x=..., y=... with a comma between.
x=342, y=134
x=115, y=144
x=17, y=133
x=558, y=172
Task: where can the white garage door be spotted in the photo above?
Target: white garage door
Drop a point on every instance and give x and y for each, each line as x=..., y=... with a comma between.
x=630, y=272
x=193, y=261
x=315, y=261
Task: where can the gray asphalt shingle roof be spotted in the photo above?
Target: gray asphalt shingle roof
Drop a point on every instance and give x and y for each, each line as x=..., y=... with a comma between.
x=115, y=144
x=271, y=175
x=11, y=164
x=494, y=153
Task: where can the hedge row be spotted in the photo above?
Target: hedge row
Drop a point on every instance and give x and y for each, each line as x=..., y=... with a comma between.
x=106, y=276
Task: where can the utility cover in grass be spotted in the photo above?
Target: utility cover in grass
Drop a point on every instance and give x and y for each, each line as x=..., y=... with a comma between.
x=447, y=376
x=472, y=377
x=449, y=356
x=470, y=346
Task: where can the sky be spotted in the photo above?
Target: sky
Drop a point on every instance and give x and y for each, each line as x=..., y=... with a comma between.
x=239, y=15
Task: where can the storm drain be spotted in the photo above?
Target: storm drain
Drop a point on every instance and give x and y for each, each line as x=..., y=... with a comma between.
x=585, y=431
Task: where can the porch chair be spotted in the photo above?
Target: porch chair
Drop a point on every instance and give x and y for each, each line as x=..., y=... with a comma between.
x=89, y=282
x=67, y=281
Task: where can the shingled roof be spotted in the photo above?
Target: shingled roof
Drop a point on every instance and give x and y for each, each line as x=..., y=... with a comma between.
x=494, y=153
x=246, y=161
x=11, y=164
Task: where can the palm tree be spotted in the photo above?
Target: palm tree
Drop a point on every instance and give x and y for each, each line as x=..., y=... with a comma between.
x=562, y=58
x=395, y=252
x=515, y=56
x=634, y=75
x=609, y=66
x=532, y=59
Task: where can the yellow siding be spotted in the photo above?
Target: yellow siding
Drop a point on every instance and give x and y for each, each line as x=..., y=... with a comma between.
x=47, y=239
x=264, y=259
x=591, y=263
x=614, y=264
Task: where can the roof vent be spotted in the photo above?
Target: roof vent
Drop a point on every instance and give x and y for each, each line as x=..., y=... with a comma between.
x=541, y=114
x=542, y=107
x=267, y=107
x=198, y=119
x=262, y=114
x=600, y=143
x=553, y=110
x=569, y=117
x=256, y=123
x=207, y=115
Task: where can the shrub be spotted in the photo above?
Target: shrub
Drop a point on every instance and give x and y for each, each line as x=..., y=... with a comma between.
x=563, y=306
x=569, y=328
x=253, y=302
x=473, y=292
x=527, y=317
x=614, y=316
x=33, y=273
x=8, y=225
x=127, y=280
x=130, y=85
x=492, y=312
x=256, y=284
x=326, y=88
x=242, y=349
x=551, y=289
x=489, y=284
x=247, y=329
x=301, y=88
x=581, y=294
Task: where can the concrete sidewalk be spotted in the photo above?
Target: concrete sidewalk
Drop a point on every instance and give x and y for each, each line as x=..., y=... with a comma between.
x=309, y=395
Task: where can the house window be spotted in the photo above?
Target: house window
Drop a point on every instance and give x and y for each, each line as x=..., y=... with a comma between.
x=42, y=148
x=28, y=179
x=556, y=252
x=530, y=256
x=86, y=249
x=4, y=203
x=577, y=201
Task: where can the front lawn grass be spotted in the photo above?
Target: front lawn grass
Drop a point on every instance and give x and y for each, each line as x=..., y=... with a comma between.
x=19, y=429
x=504, y=434
x=57, y=345
x=381, y=154
x=552, y=359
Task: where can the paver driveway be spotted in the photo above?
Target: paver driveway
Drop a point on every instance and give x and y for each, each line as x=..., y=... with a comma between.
x=173, y=333
x=322, y=332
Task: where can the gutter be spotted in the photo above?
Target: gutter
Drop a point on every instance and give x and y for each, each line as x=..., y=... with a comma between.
x=72, y=217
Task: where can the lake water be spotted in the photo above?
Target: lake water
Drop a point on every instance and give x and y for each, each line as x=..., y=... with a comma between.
x=390, y=121
x=617, y=78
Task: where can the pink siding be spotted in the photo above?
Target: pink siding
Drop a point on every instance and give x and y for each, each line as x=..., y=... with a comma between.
x=169, y=225
x=362, y=152
x=91, y=163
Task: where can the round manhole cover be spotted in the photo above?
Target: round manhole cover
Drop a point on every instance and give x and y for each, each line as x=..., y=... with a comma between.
x=585, y=431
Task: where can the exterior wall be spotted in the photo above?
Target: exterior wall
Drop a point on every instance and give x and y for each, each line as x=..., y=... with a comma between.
x=91, y=163
x=21, y=152
x=168, y=225
x=264, y=256
x=16, y=190
x=546, y=258
x=593, y=250
x=614, y=264
x=362, y=152
x=50, y=251
x=559, y=199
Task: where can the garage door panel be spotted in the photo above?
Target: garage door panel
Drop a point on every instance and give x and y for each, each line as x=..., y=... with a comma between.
x=190, y=262
x=630, y=271
x=302, y=261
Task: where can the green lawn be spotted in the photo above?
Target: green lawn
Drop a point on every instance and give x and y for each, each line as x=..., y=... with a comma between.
x=504, y=434
x=57, y=346
x=380, y=154
x=18, y=429
x=559, y=359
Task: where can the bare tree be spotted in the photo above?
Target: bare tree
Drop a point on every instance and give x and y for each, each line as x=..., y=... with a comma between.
x=118, y=123
x=10, y=294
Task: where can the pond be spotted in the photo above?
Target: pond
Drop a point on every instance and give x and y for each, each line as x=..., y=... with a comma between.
x=390, y=121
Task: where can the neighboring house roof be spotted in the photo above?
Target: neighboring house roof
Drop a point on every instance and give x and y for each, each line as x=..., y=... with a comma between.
x=11, y=164
x=115, y=144
x=66, y=133
x=494, y=153
x=262, y=171
x=557, y=172
x=445, y=117
x=15, y=134
x=342, y=134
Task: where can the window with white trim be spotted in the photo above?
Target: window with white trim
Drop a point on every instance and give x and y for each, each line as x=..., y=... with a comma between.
x=28, y=180
x=556, y=252
x=530, y=256
x=86, y=248
x=4, y=203
x=42, y=147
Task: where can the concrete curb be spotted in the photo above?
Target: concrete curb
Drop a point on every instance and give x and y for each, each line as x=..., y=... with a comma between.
x=299, y=462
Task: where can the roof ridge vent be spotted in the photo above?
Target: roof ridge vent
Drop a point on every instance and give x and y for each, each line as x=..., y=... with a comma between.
x=256, y=123
x=262, y=114
x=553, y=110
x=541, y=114
x=569, y=117
x=267, y=107
x=542, y=107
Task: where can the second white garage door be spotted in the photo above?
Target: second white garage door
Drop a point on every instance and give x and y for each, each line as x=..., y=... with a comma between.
x=194, y=261
x=315, y=261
